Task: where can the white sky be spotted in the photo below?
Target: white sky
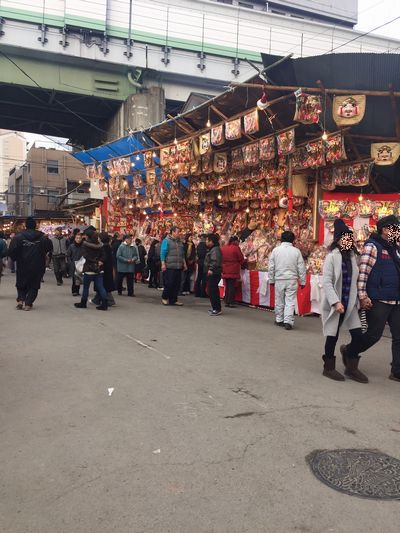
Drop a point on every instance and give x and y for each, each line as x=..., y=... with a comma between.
x=371, y=13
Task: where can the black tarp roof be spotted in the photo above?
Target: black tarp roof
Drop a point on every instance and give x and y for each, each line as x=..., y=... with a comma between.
x=364, y=72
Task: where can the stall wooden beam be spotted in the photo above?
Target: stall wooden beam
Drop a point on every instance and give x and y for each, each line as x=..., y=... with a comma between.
x=374, y=138
x=315, y=90
x=181, y=124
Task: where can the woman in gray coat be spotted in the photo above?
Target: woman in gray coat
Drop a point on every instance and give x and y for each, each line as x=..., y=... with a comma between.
x=340, y=303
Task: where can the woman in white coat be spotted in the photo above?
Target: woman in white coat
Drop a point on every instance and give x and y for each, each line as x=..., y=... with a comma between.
x=340, y=303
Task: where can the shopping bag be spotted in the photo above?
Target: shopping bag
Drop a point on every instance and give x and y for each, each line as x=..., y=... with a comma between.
x=79, y=266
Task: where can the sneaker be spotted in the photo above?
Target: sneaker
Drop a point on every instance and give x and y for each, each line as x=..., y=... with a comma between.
x=288, y=327
x=80, y=305
x=215, y=313
x=75, y=294
x=59, y=283
x=179, y=304
x=164, y=302
x=160, y=288
x=280, y=324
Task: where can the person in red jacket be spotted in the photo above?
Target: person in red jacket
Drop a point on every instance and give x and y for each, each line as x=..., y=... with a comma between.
x=232, y=260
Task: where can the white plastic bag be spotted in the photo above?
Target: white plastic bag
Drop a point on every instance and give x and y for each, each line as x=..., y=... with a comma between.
x=79, y=266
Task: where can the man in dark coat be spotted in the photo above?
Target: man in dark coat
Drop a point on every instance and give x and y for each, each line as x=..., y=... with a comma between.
x=108, y=276
x=28, y=249
x=201, y=280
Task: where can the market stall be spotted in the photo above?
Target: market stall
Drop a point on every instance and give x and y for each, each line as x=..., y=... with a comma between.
x=255, y=161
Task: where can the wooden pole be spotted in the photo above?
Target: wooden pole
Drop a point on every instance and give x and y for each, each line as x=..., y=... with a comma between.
x=315, y=90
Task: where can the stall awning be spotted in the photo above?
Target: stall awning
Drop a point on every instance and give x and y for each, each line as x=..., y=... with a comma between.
x=119, y=148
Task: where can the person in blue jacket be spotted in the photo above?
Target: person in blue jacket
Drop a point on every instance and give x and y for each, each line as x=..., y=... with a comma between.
x=127, y=257
x=173, y=263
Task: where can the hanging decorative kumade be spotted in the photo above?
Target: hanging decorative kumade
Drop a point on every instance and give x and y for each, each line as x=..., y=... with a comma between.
x=217, y=135
x=355, y=175
x=251, y=154
x=327, y=179
x=220, y=162
x=237, y=158
x=164, y=156
x=150, y=177
x=385, y=153
x=308, y=107
x=148, y=159
x=334, y=148
x=267, y=149
x=348, y=110
x=204, y=143
x=286, y=142
x=251, y=123
x=233, y=129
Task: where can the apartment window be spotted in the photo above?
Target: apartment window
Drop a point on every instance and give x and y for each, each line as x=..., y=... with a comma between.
x=245, y=4
x=52, y=196
x=52, y=166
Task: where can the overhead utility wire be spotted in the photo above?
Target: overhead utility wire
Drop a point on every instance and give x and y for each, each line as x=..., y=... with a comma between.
x=55, y=99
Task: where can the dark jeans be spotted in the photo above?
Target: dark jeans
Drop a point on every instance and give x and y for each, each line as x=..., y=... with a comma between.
x=330, y=343
x=172, y=285
x=75, y=285
x=153, y=279
x=377, y=317
x=60, y=267
x=129, y=282
x=27, y=294
x=213, y=291
x=230, y=291
x=98, y=285
x=187, y=277
x=201, y=282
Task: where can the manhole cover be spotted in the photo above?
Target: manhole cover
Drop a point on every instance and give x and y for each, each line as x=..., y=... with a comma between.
x=363, y=473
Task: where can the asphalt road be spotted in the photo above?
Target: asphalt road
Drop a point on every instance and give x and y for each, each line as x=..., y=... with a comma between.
x=206, y=429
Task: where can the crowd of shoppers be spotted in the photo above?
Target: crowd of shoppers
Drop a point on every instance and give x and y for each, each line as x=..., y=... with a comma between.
x=369, y=281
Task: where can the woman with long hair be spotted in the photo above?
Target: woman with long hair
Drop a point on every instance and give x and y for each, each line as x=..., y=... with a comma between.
x=340, y=303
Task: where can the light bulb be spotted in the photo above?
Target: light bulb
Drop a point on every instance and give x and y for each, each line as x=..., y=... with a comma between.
x=80, y=182
x=132, y=164
x=247, y=209
x=90, y=189
x=154, y=155
x=208, y=124
x=137, y=193
x=130, y=206
x=324, y=136
x=138, y=158
x=175, y=214
x=219, y=196
x=175, y=141
x=160, y=208
x=144, y=212
x=117, y=197
x=147, y=217
x=361, y=198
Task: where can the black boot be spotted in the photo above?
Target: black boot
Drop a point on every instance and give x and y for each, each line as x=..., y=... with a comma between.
x=330, y=370
x=351, y=366
x=103, y=306
x=352, y=371
x=81, y=304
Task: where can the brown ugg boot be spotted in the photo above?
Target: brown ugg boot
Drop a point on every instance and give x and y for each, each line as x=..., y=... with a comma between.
x=352, y=371
x=330, y=370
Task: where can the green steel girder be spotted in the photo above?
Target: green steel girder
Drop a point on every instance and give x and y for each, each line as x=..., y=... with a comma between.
x=67, y=78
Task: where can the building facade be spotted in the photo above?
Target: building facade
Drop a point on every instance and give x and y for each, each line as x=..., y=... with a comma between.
x=12, y=153
x=48, y=181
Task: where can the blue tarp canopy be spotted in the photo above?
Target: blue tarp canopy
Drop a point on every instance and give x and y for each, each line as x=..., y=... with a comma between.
x=120, y=148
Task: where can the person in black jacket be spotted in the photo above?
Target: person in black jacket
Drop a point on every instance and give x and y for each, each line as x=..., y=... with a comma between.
x=74, y=253
x=28, y=249
x=93, y=270
x=108, y=277
x=213, y=268
x=154, y=265
x=139, y=269
x=115, y=244
x=201, y=281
